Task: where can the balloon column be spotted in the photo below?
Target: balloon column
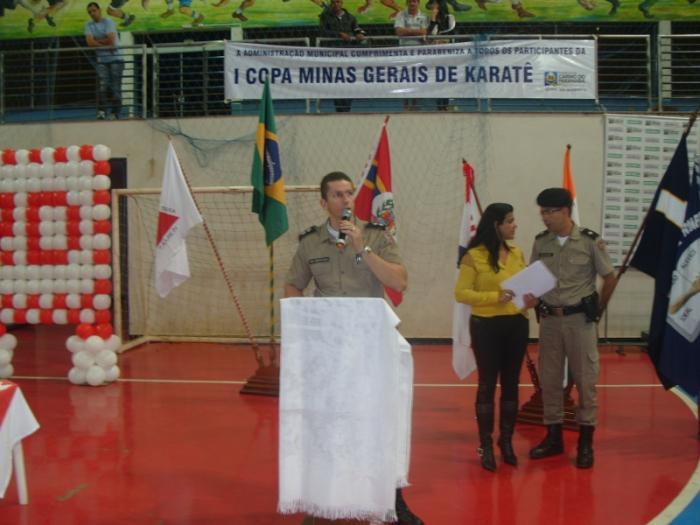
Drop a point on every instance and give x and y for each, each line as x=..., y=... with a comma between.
x=55, y=253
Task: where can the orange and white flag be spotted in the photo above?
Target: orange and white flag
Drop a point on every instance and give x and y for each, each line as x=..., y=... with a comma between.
x=569, y=185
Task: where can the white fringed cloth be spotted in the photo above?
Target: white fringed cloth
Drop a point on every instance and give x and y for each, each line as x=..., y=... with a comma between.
x=346, y=393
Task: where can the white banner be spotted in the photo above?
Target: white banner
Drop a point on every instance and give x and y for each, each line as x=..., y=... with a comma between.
x=564, y=69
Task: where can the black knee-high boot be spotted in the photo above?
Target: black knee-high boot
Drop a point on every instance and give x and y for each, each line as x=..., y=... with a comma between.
x=509, y=412
x=403, y=513
x=484, y=418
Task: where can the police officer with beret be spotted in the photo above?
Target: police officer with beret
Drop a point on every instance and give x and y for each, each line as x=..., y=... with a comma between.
x=568, y=316
x=347, y=260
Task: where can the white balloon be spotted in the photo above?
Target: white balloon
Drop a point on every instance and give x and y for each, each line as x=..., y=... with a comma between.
x=21, y=185
x=72, y=287
x=22, y=156
x=19, y=300
x=101, y=212
x=87, y=286
x=75, y=344
x=8, y=341
x=8, y=272
x=19, y=228
x=33, y=271
x=83, y=359
x=7, y=171
x=73, y=300
x=60, y=170
x=85, y=183
x=33, y=316
x=86, y=213
x=19, y=242
x=85, y=241
x=6, y=357
x=112, y=374
x=45, y=213
x=7, y=243
x=113, y=343
x=86, y=227
x=33, y=286
x=46, y=184
x=32, y=170
x=59, y=271
x=60, y=213
x=7, y=287
x=20, y=286
x=60, y=316
x=7, y=371
x=46, y=271
x=59, y=286
x=21, y=198
x=87, y=271
x=85, y=197
x=101, y=152
x=7, y=316
x=87, y=316
x=60, y=242
x=95, y=376
x=94, y=344
x=85, y=256
x=72, y=271
x=106, y=359
x=77, y=376
x=73, y=153
x=46, y=171
x=87, y=168
x=7, y=186
x=73, y=198
x=59, y=183
x=19, y=257
x=101, y=301
x=47, y=155
x=33, y=185
x=46, y=286
x=103, y=271
x=102, y=241
x=46, y=301
x=101, y=182
x=74, y=256
x=72, y=183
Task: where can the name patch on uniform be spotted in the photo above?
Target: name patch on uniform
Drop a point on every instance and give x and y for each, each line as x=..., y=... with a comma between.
x=546, y=254
x=319, y=260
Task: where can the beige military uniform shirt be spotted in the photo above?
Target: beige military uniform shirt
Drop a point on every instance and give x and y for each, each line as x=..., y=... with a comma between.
x=336, y=272
x=575, y=264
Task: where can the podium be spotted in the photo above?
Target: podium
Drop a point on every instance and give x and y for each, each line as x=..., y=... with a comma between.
x=346, y=392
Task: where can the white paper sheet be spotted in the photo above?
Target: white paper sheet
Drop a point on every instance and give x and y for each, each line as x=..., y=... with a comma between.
x=535, y=279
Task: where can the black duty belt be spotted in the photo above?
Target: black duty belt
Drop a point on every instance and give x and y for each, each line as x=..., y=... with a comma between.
x=560, y=311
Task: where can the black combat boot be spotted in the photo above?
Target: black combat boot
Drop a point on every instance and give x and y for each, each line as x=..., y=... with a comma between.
x=403, y=513
x=509, y=411
x=484, y=418
x=584, y=455
x=552, y=444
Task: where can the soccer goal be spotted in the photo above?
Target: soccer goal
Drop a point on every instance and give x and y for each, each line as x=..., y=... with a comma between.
x=203, y=308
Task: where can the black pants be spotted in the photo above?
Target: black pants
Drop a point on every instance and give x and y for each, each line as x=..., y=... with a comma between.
x=499, y=345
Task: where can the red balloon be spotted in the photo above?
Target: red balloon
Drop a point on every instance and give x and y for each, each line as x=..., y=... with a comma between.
x=33, y=199
x=101, y=257
x=32, y=214
x=101, y=197
x=102, y=226
x=7, y=300
x=103, y=286
x=103, y=316
x=46, y=257
x=59, y=301
x=34, y=257
x=33, y=301
x=8, y=156
x=20, y=317
x=46, y=316
x=73, y=213
x=60, y=154
x=73, y=243
x=32, y=229
x=102, y=167
x=73, y=228
x=46, y=198
x=6, y=229
x=3, y=329
x=59, y=257
x=35, y=155
x=7, y=200
x=59, y=198
x=7, y=214
x=33, y=243
x=86, y=152
x=86, y=300
x=73, y=316
x=84, y=330
x=104, y=330
x=7, y=258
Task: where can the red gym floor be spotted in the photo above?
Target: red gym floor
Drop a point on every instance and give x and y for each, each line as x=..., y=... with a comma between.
x=173, y=442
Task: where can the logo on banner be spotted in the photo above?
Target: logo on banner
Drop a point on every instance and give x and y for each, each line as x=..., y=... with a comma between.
x=551, y=78
x=564, y=79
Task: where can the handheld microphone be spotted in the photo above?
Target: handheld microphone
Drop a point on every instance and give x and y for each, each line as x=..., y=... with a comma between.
x=340, y=241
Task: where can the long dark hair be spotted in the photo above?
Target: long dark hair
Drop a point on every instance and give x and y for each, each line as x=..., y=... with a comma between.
x=487, y=232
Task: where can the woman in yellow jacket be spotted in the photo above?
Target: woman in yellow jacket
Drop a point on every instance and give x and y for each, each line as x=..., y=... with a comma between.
x=499, y=329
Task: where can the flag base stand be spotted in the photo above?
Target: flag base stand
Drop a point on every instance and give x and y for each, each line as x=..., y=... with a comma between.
x=533, y=410
x=264, y=382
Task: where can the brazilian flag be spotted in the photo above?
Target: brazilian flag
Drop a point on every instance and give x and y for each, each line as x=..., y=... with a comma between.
x=269, y=201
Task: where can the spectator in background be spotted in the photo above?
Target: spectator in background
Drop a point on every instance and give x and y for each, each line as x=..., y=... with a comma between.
x=441, y=23
x=339, y=24
x=412, y=26
x=101, y=33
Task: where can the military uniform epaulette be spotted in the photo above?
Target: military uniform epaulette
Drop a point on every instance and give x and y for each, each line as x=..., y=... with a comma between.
x=541, y=234
x=307, y=231
x=375, y=226
x=589, y=233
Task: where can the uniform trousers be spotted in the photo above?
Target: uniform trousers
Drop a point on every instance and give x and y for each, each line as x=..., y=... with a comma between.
x=575, y=339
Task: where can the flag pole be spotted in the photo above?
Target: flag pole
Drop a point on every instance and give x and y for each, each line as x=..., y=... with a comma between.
x=273, y=350
x=372, y=154
x=625, y=263
x=217, y=256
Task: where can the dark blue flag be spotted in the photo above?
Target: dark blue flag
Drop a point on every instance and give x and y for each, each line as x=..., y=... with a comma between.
x=657, y=248
x=680, y=356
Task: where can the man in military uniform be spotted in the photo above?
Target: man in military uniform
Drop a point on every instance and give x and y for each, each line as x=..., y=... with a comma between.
x=568, y=316
x=347, y=260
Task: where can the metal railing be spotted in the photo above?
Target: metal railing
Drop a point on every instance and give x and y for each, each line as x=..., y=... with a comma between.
x=635, y=73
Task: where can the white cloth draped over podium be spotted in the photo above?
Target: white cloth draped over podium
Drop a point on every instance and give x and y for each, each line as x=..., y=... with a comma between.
x=346, y=393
